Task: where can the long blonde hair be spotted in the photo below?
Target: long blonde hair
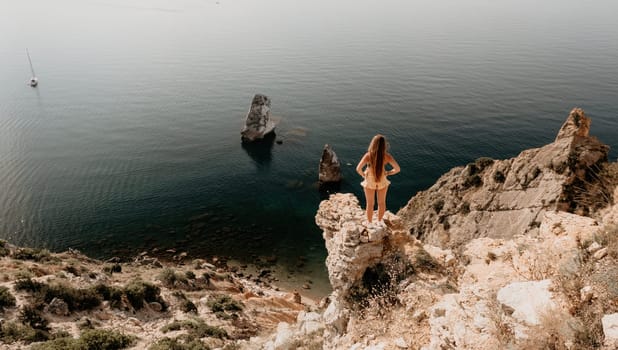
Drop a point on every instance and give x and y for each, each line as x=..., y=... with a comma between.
x=377, y=153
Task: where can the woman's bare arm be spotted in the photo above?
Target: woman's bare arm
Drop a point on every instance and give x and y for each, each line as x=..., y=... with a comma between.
x=390, y=160
x=361, y=164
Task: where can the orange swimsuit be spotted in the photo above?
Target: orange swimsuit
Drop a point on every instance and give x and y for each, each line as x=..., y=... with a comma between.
x=371, y=183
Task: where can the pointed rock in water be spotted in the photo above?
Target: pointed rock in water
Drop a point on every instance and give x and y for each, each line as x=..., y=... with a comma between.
x=258, y=122
x=330, y=168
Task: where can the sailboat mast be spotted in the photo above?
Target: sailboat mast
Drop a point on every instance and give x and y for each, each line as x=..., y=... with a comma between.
x=29, y=60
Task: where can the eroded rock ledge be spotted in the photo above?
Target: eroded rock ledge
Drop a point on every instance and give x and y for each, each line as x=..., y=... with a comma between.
x=502, y=198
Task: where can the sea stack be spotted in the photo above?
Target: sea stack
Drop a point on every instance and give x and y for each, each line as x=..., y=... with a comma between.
x=330, y=168
x=258, y=123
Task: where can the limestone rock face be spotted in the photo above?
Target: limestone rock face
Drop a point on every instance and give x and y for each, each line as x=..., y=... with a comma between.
x=305, y=333
x=529, y=300
x=610, y=329
x=352, y=245
x=330, y=168
x=258, y=122
x=489, y=293
x=502, y=198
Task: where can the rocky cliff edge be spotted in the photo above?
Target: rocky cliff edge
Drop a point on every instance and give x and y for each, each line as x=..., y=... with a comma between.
x=503, y=198
x=498, y=254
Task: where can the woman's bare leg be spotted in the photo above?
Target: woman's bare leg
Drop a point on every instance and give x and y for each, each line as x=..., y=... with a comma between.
x=382, y=202
x=369, y=199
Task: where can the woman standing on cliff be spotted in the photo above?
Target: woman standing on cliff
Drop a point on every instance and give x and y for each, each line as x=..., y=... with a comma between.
x=374, y=175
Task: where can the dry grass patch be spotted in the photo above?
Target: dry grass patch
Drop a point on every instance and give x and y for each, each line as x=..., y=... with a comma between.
x=501, y=327
x=596, y=190
x=602, y=276
x=556, y=331
x=608, y=237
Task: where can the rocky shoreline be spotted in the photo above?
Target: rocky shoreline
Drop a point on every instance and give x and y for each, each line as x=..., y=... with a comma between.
x=48, y=300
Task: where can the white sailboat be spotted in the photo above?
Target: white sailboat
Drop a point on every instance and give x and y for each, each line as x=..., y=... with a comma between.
x=33, y=81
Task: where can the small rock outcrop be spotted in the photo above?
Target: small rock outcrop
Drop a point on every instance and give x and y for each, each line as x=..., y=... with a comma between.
x=258, y=123
x=352, y=245
x=306, y=333
x=330, y=168
x=528, y=300
x=502, y=198
x=58, y=307
x=355, y=250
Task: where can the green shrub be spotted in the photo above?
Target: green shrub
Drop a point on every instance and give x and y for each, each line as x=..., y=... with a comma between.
x=66, y=343
x=61, y=334
x=172, y=279
x=6, y=298
x=76, y=299
x=175, y=344
x=30, y=316
x=28, y=285
x=221, y=302
x=483, y=162
x=4, y=251
x=92, y=339
x=196, y=328
x=188, y=306
x=174, y=326
x=138, y=292
x=38, y=255
x=110, y=293
x=105, y=339
x=472, y=181
x=23, y=274
x=113, y=268
x=11, y=332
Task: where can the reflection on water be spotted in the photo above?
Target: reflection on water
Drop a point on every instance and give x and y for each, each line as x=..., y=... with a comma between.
x=328, y=188
x=260, y=151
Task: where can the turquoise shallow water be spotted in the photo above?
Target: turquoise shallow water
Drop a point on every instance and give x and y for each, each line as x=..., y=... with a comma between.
x=134, y=129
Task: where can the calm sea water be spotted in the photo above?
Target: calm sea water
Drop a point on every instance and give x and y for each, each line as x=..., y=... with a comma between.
x=131, y=141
